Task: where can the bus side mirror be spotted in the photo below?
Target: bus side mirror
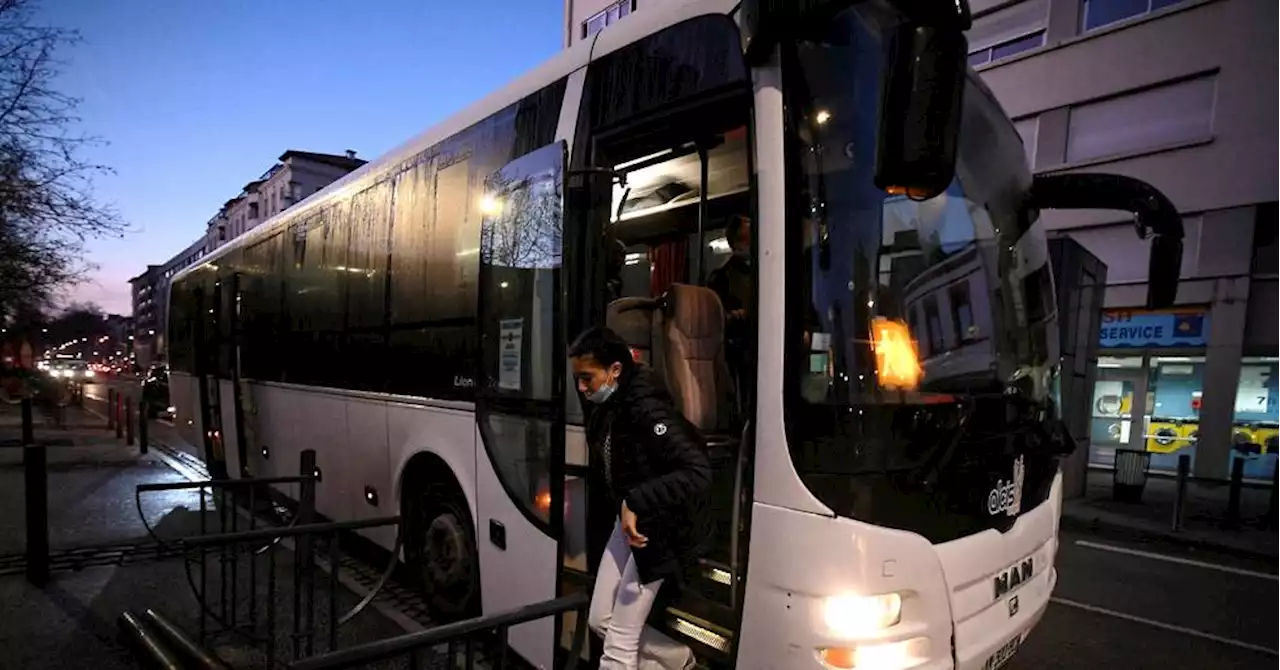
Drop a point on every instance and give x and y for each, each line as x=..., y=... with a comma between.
x=1154, y=217
x=922, y=97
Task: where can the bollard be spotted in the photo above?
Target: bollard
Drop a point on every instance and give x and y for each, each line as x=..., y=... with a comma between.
x=128, y=420
x=118, y=418
x=305, y=592
x=143, y=442
x=1233, y=493
x=111, y=409
x=36, y=478
x=1270, y=522
x=28, y=423
x=1180, y=494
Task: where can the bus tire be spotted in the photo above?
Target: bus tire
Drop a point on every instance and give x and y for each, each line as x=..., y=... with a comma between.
x=440, y=549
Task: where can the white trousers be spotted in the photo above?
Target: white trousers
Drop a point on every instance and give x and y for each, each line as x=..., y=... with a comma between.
x=619, y=606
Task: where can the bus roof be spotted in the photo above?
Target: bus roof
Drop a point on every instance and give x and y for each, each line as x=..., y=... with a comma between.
x=637, y=26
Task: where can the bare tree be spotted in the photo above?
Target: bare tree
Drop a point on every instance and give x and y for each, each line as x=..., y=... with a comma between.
x=47, y=206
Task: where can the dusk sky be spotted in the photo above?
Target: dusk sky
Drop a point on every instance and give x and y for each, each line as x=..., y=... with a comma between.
x=198, y=98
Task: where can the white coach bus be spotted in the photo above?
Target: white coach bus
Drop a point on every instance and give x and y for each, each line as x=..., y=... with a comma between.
x=873, y=509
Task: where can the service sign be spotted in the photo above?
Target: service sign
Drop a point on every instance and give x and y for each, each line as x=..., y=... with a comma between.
x=1139, y=329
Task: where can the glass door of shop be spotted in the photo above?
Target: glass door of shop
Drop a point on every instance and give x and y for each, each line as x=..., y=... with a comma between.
x=1175, y=387
x=1119, y=399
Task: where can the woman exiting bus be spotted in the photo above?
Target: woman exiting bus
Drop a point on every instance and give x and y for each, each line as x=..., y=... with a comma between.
x=656, y=468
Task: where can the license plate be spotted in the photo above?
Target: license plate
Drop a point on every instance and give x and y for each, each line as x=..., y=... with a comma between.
x=1003, y=654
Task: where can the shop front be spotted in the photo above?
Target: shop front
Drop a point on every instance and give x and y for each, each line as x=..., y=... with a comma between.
x=1150, y=386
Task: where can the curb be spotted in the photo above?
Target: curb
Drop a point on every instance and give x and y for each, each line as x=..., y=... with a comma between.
x=1096, y=524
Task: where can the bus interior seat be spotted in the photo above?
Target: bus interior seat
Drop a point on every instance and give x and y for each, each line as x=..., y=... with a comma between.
x=633, y=320
x=696, y=368
x=680, y=336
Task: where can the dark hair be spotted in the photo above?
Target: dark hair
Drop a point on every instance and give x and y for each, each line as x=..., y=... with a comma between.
x=733, y=229
x=606, y=347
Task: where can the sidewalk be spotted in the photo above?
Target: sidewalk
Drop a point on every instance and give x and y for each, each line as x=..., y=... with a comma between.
x=99, y=572
x=1204, y=521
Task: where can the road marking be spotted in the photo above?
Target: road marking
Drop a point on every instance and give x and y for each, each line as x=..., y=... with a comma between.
x=1176, y=559
x=1165, y=626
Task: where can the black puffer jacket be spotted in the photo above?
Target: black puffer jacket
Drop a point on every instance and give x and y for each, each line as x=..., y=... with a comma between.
x=659, y=466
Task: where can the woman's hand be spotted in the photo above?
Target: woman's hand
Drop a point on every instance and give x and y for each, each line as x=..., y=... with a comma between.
x=634, y=538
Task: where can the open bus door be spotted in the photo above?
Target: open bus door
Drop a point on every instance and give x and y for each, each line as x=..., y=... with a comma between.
x=519, y=486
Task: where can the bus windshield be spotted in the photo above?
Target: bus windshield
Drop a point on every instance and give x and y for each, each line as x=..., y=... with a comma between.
x=921, y=362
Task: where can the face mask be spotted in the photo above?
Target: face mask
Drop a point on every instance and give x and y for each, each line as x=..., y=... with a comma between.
x=600, y=395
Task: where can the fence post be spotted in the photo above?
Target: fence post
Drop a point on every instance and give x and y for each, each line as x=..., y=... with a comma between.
x=128, y=420
x=1180, y=495
x=1270, y=522
x=143, y=415
x=111, y=409
x=36, y=476
x=306, y=553
x=1233, y=493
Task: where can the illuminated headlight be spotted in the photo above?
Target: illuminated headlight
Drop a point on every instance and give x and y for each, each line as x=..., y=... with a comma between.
x=173, y=410
x=850, y=616
x=89, y=374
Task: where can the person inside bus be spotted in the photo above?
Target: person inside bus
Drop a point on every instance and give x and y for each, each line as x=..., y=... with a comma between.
x=733, y=282
x=657, y=473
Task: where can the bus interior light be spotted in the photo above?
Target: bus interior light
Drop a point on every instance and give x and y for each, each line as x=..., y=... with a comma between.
x=850, y=616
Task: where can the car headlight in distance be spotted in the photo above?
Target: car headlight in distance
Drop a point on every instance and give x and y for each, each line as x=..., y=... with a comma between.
x=89, y=374
x=851, y=616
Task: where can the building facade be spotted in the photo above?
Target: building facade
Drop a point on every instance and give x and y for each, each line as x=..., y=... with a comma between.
x=297, y=175
x=1181, y=94
x=151, y=303
x=584, y=18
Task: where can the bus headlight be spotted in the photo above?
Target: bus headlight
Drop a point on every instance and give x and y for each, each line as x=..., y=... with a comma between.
x=850, y=616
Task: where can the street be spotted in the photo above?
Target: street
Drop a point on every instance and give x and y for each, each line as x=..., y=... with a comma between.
x=1166, y=607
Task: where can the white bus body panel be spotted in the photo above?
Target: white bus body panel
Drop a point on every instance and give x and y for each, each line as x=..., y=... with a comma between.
x=945, y=588
x=523, y=573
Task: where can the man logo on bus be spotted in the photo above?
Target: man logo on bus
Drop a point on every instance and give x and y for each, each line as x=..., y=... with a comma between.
x=1007, y=496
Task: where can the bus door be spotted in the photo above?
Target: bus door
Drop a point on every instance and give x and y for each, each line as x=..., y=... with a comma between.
x=231, y=348
x=519, y=486
x=679, y=288
x=206, y=324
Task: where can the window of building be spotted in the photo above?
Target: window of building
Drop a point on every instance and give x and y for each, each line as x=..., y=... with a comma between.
x=607, y=17
x=1147, y=120
x=1098, y=13
x=962, y=313
x=1008, y=31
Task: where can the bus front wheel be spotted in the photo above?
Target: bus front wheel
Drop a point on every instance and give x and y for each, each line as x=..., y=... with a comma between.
x=441, y=551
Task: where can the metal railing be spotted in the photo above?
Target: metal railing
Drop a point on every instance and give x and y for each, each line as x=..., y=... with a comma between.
x=238, y=578
x=462, y=639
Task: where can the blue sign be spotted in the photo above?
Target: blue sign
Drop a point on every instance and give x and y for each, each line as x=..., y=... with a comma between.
x=1134, y=329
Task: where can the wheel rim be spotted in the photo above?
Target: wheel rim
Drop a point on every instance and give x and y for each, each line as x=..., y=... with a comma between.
x=445, y=550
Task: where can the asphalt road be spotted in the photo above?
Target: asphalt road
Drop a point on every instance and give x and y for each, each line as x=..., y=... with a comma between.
x=1165, y=607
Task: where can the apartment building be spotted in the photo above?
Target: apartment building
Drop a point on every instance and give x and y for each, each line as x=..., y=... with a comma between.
x=150, y=292
x=296, y=175
x=584, y=18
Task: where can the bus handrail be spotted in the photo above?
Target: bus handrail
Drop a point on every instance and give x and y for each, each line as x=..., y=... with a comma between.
x=413, y=642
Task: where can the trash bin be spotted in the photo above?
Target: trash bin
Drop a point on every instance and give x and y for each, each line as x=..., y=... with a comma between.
x=1130, y=475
